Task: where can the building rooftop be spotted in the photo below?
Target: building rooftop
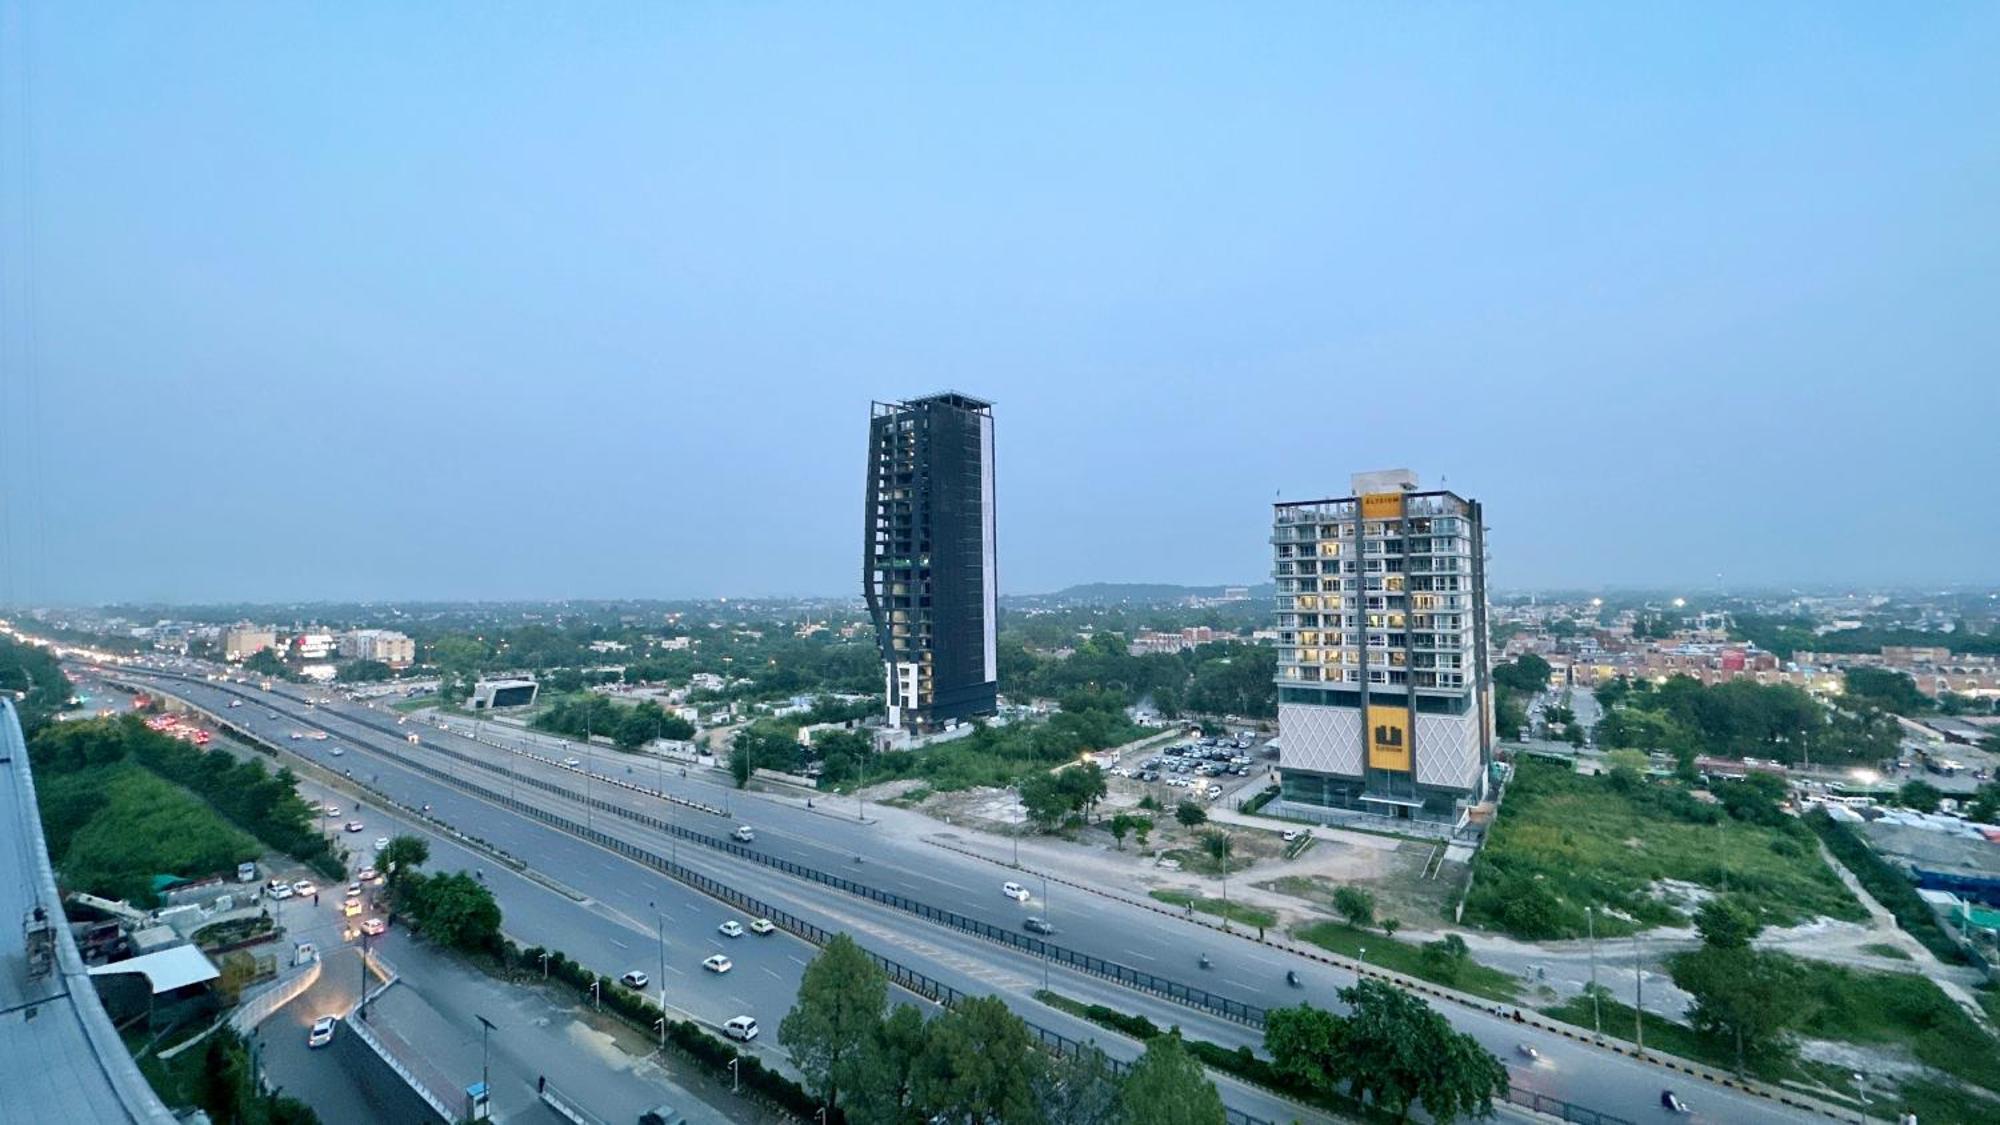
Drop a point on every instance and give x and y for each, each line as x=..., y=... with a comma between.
x=174, y=967
x=60, y=1058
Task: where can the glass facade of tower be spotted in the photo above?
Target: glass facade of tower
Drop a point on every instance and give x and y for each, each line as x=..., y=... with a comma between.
x=1383, y=700
x=928, y=558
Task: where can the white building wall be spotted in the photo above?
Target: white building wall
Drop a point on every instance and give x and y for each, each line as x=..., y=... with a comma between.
x=1321, y=739
x=1447, y=750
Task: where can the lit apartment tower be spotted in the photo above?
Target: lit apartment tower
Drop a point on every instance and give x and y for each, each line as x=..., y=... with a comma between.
x=927, y=557
x=1383, y=690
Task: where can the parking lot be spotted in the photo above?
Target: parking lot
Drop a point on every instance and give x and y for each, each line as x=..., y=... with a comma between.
x=1198, y=768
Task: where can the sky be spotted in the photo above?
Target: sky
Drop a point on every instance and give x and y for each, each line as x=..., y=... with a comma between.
x=484, y=301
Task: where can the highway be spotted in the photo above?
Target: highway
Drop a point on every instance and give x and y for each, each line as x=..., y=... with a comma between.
x=1108, y=928
x=608, y=921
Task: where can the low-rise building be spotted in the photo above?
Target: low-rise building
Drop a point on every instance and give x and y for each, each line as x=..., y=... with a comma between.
x=241, y=642
x=386, y=645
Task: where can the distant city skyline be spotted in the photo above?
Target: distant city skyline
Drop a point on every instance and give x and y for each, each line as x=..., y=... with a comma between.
x=464, y=303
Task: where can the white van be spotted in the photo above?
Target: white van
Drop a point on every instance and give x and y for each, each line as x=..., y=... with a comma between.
x=744, y=833
x=741, y=1027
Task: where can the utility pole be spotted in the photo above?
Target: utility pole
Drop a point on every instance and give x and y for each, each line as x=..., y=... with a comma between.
x=364, y=976
x=1638, y=997
x=1048, y=915
x=661, y=921
x=1596, y=1010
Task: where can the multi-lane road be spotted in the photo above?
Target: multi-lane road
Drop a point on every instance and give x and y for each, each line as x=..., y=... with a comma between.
x=613, y=920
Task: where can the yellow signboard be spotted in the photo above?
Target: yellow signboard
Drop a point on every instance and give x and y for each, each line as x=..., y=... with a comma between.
x=1389, y=739
x=1382, y=506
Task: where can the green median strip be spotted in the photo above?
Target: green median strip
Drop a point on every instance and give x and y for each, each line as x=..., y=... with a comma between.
x=1234, y=911
x=1438, y=965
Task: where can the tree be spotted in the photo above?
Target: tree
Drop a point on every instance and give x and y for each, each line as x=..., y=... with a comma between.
x=1390, y=926
x=1446, y=958
x=1044, y=799
x=1142, y=827
x=1743, y=997
x=364, y=671
x=1082, y=787
x=265, y=662
x=979, y=1064
x=1526, y=674
x=1984, y=808
x=1121, y=823
x=836, y=1016
x=1397, y=1051
x=1885, y=688
x=880, y=1087
x=453, y=910
x=1080, y=1089
x=1305, y=1043
x=740, y=766
x=1168, y=1087
x=1920, y=795
x=1725, y=923
x=402, y=857
x=1190, y=814
x=1355, y=905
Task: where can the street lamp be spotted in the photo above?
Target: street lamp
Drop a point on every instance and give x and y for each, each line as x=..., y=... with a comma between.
x=545, y=965
x=485, y=1025
x=1048, y=915
x=735, y=1079
x=1596, y=1014
x=597, y=992
x=661, y=920
x=364, y=976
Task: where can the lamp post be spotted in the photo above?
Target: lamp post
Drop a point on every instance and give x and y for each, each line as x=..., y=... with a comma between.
x=545, y=965
x=1638, y=997
x=364, y=976
x=735, y=1079
x=1048, y=915
x=660, y=921
x=485, y=1025
x=597, y=992
x=1596, y=1014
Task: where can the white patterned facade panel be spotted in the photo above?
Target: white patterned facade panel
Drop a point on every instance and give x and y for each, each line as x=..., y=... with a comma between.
x=1447, y=750
x=1320, y=739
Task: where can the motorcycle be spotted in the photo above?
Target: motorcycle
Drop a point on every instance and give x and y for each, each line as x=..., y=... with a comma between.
x=1292, y=978
x=1204, y=960
x=1528, y=1052
x=1673, y=1104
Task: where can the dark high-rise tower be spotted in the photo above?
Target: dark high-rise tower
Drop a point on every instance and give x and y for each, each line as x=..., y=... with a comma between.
x=927, y=566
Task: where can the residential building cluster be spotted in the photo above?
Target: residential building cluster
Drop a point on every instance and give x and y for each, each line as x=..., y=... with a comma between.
x=1154, y=642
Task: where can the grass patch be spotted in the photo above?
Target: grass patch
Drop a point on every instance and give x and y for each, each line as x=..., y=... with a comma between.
x=1662, y=1034
x=1261, y=799
x=1936, y=1101
x=417, y=703
x=1234, y=911
x=1856, y=1006
x=1563, y=842
x=1408, y=959
x=1884, y=949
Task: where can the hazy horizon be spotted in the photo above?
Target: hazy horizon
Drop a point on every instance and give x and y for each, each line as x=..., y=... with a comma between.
x=460, y=303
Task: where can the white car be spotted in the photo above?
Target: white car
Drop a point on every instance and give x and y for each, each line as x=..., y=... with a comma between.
x=304, y=888
x=742, y=1027
x=296, y=736
x=731, y=928
x=333, y=810
x=762, y=926
x=374, y=927
x=282, y=890
x=744, y=833
x=322, y=1031
x=366, y=875
x=634, y=979
x=355, y=826
x=1015, y=891
x=1292, y=836
x=717, y=963
x=381, y=842
x=572, y=762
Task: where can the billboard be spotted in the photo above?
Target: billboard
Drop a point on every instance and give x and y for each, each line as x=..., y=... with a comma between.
x=1389, y=739
x=1382, y=506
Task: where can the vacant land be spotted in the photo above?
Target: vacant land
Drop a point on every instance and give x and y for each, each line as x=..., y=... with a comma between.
x=111, y=829
x=1641, y=853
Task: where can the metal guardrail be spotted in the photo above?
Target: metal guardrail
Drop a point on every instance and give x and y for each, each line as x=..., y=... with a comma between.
x=1558, y=1108
x=562, y=1104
